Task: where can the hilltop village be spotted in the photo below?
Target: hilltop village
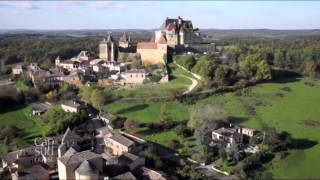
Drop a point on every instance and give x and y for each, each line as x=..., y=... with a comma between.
x=109, y=153
x=174, y=36
x=85, y=136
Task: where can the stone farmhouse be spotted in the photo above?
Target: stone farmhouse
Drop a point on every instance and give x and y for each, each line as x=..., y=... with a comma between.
x=70, y=106
x=231, y=135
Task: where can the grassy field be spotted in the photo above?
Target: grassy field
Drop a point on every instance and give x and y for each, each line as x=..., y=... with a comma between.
x=21, y=118
x=149, y=113
x=290, y=106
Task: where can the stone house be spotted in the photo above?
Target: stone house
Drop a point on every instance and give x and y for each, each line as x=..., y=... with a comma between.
x=226, y=135
x=39, y=108
x=119, y=144
x=70, y=106
x=106, y=117
x=135, y=76
x=34, y=172
x=246, y=131
x=80, y=165
x=67, y=64
x=17, y=69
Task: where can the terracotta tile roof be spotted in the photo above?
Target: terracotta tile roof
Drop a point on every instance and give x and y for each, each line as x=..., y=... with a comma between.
x=171, y=26
x=147, y=45
x=162, y=40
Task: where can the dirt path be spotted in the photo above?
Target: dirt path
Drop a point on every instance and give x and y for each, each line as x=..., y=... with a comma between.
x=192, y=86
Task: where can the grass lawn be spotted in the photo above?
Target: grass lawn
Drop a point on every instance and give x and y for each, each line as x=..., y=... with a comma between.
x=21, y=118
x=149, y=113
x=290, y=106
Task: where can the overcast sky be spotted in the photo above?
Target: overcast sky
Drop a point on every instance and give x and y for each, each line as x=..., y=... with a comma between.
x=150, y=14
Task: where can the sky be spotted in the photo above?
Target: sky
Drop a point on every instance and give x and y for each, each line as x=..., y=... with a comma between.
x=58, y=15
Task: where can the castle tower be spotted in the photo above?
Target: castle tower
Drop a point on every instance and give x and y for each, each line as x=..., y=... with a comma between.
x=108, y=49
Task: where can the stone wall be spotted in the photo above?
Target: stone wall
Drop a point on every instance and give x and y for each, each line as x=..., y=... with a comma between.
x=153, y=56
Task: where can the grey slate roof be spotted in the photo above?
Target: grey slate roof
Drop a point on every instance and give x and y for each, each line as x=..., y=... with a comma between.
x=128, y=157
x=71, y=103
x=125, y=176
x=122, y=140
x=77, y=158
x=86, y=168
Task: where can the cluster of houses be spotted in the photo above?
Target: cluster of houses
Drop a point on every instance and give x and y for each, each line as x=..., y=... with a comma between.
x=173, y=36
x=114, y=155
x=86, y=67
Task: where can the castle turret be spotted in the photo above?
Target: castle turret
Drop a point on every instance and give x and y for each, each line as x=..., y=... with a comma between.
x=57, y=61
x=181, y=36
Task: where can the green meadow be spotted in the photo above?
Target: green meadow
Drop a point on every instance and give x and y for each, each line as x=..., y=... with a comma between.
x=291, y=106
x=29, y=126
x=149, y=112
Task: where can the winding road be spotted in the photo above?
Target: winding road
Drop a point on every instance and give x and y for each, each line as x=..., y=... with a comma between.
x=194, y=80
x=192, y=86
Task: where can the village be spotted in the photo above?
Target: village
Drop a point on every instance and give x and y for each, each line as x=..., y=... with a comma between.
x=96, y=148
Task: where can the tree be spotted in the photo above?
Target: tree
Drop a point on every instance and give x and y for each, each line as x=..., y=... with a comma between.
x=165, y=117
x=123, y=57
x=186, y=61
x=188, y=172
x=310, y=68
x=263, y=71
x=52, y=95
x=220, y=74
x=206, y=114
x=131, y=126
x=279, y=59
x=85, y=93
x=204, y=67
x=136, y=62
x=64, y=88
x=165, y=58
x=97, y=98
